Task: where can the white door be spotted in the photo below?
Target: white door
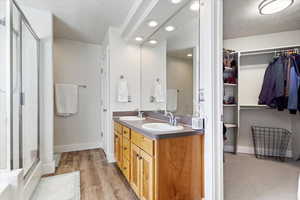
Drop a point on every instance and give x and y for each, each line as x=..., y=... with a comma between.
x=210, y=94
x=104, y=99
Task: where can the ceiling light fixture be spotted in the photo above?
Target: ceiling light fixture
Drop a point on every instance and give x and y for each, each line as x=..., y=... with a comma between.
x=268, y=7
x=152, y=23
x=189, y=55
x=139, y=39
x=169, y=28
x=175, y=1
x=153, y=41
x=195, y=6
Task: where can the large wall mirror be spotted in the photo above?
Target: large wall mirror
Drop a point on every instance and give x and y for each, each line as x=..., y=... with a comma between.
x=170, y=62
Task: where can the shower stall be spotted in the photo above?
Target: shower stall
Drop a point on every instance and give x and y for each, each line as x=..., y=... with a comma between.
x=19, y=90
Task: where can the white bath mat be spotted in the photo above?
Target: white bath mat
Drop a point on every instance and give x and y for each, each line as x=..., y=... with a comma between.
x=60, y=187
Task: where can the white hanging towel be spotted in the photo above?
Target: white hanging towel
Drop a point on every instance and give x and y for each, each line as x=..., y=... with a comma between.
x=172, y=98
x=123, y=91
x=158, y=93
x=66, y=96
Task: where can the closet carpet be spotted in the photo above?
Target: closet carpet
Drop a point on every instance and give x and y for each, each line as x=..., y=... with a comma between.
x=248, y=178
x=99, y=180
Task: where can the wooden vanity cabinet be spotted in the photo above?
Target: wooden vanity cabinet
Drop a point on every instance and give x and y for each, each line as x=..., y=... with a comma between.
x=161, y=169
x=118, y=145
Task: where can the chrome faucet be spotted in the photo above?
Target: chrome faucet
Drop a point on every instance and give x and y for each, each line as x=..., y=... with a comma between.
x=172, y=118
x=140, y=114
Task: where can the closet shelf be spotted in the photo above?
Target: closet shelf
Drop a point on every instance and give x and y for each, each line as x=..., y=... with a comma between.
x=253, y=106
x=229, y=105
x=231, y=125
x=230, y=85
x=228, y=68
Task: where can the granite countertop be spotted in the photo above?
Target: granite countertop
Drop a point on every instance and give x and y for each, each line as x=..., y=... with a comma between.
x=137, y=126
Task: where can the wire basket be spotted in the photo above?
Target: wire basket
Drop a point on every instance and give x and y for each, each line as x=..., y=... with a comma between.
x=270, y=143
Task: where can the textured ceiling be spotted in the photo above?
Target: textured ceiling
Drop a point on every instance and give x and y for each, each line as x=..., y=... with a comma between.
x=241, y=18
x=83, y=20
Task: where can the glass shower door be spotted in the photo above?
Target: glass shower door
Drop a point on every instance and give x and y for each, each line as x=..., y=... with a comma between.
x=29, y=99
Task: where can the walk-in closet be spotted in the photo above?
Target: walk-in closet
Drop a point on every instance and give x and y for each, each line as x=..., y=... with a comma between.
x=261, y=73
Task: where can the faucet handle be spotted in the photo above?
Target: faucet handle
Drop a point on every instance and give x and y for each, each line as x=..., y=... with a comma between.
x=175, y=120
x=141, y=114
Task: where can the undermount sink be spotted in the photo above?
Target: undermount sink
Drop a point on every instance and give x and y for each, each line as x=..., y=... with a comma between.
x=161, y=127
x=131, y=118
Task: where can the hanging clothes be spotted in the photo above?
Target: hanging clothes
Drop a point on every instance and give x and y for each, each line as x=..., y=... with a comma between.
x=293, y=103
x=281, y=85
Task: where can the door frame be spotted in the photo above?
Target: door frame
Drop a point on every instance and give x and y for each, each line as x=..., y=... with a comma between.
x=104, y=107
x=211, y=94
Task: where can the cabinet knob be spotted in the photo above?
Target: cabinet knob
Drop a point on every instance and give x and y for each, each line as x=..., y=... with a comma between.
x=140, y=157
x=125, y=148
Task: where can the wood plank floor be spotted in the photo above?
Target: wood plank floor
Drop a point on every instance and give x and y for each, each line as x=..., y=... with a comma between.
x=99, y=180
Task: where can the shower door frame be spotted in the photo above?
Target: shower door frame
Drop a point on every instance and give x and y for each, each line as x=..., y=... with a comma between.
x=22, y=20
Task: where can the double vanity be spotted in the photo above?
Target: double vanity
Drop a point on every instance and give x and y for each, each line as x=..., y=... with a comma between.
x=160, y=161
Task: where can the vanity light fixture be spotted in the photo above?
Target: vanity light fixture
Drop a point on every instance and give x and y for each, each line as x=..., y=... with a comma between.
x=268, y=7
x=189, y=55
x=175, y=1
x=195, y=6
x=153, y=42
x=152, y=23
x=169, y=28
x=139, y=39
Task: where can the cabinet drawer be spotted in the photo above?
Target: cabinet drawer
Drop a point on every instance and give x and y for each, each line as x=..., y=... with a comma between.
x=126, y=148
x=143, y=142
x=126, y=169
x=118, y=127
x=136, y=138
x=126, y=132
x=147, y=145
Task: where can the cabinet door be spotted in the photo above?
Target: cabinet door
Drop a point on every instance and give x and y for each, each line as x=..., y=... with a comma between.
x=120, y=159
x=117, y=147
x=146, y=176
x=135, y=168
x=118, y=150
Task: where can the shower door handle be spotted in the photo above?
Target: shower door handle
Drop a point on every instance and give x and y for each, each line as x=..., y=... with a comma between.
x=22, y=98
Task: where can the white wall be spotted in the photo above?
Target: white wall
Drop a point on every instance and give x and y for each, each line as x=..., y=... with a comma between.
x=78, y=63
x=153, y=67
x=271, y=118
x=124, y=60
x=180, y=76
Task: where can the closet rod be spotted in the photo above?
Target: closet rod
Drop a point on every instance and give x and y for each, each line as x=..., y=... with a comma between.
x=269, y=51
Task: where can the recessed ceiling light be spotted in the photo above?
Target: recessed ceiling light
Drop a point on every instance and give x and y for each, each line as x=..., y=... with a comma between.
x=189, y=55
x=175, y=1
x=169, y=28
x=152, y=23
x=268, y=7
x=195, y=6
x=153, y=41
x=139, y=39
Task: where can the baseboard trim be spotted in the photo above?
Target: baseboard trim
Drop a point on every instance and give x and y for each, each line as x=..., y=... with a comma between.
x=76, y=147
x=48, y=168
x=249, y=150
x=110, y=158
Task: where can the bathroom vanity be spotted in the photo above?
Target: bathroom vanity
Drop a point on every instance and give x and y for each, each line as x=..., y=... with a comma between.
x=160, y=165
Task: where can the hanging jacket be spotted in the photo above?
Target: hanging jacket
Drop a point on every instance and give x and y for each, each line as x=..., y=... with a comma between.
x=297, y=61
x=294, y=87
x=272, y=92
x=267, y=95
